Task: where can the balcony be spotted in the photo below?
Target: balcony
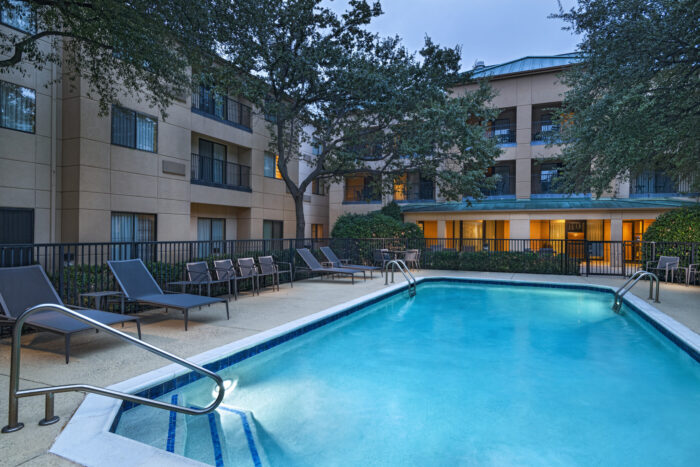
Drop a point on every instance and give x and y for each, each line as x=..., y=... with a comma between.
x=222, y=108
x=503, y=133
x=656, y=184
x=543, y=183
x=420, y=191
x=545, y=132
x=219, y=173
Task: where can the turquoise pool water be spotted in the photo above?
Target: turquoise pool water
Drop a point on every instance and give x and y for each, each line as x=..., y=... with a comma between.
x=462, y=374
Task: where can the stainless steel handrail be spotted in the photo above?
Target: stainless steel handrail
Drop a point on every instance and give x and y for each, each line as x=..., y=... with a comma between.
x=631, y=282
x=49, y=417
x=404, y=270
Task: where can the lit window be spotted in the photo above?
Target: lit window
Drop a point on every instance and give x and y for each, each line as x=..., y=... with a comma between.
x=316, y=231
x=271, y=170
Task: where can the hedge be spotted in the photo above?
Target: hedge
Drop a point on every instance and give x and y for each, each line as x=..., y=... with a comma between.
x=678, y=225
x=501, y=261
x=374, y=225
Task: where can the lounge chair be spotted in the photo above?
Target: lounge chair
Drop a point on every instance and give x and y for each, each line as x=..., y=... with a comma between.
x=270, y=267
x=334, y=261
x=198, y=274
x=26, y=286
x=666, y=264
x=314, y=266
x=138, y=285
x=248, y=270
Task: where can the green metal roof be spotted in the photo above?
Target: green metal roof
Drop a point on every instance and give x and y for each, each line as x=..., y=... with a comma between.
x=529, y=63
x=548, y=204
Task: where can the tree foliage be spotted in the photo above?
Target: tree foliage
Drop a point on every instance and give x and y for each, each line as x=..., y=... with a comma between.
x=138, y=48
x=634, y=102
x=392, y=209
x=374, y=225
x=678, y=225
x=366, y=103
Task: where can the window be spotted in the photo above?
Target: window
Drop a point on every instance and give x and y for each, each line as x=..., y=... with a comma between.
x=18, y=16
x=318, y=187
x=17, y=107
x=213, y=161
x=271, y=169
x=316, y=147
x=273, y=230
x=361, y=188
x=134, y=130
x=136, y=228
x=412, y=186
x=212, y=231
x=316, y=231
x=221, y=107
x=16, y=227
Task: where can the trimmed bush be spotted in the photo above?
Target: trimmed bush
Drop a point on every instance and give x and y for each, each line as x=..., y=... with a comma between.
x=392, y=210
x=374, y=225
x=502, y=261
x=678, y=225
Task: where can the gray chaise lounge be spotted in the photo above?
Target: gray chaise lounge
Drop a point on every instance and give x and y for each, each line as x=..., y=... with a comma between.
x=314, y=266
x=139, y=285
x=26, y=286
x=340, y=263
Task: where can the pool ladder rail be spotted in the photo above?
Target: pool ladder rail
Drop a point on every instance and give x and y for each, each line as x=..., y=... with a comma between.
x=401, y=265
x=49, y=416
x=627, y=286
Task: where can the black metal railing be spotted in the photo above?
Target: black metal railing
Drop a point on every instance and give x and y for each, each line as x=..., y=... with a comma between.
x=505, y=186
x=545, y=131
x=222, y=107
x=219, y=173
x=658, y=183
x=503, y=132
x=543, y=183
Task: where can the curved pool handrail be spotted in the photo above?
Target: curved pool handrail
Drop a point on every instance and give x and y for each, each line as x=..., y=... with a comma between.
x=403, y=268
x=631, y=282
x=49, y=417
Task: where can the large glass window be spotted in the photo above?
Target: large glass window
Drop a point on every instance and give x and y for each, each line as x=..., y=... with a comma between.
x=134, y=229
x=271, y=170
x=213, y=160
x=317, y=231
x=17, y=107
x=212, y=231
x=19, y=16
x=318, y=187
x=134, y=130
x=273, y=230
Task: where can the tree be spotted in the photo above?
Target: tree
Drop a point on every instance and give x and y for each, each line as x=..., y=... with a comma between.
x=118, y=47
x=677, y=225
x=365, y=103
x=634, y=100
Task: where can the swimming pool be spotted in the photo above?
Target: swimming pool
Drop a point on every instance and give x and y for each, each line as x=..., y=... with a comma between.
x=466, y=372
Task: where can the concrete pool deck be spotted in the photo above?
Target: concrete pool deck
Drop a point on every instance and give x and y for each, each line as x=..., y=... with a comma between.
x=100, y=360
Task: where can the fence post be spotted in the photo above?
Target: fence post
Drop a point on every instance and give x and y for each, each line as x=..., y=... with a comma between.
x=587, y=256
x=61, y=281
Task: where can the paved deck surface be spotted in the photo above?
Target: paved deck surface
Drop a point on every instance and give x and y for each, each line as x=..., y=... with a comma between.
x=100, y=360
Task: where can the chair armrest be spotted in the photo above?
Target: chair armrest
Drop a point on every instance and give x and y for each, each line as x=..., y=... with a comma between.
x=649, y=262
x=76, y=307
x=344, y=261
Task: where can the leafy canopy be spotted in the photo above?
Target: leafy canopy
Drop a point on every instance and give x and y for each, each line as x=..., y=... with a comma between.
x=365, y=103
x=138, y=48
x=634, y=103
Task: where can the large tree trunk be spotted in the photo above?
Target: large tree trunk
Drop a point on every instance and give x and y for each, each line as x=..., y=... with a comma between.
x=301, y=222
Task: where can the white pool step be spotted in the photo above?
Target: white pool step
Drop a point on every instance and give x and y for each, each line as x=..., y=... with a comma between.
x=240, y=443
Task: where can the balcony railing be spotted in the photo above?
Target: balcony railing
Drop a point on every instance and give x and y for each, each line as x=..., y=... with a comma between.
x=544, y=131
x=219, y=173
x=542, y=183
x=658, y=183
x=222, y=108
x=504, y=133
x=505, y=186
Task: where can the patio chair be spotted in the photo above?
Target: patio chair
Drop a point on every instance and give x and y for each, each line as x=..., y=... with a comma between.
x=225, y=270
x=138, y=285
x=693, y=273
x=314, y=266
x=412, y=258
x=248, y=270
x=666, y=264
x=334, y=261
x=381, y=257
x=199, y=275
x=23, y=287
x=269, y=266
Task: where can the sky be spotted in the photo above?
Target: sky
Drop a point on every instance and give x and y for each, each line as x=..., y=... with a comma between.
x=494, y=31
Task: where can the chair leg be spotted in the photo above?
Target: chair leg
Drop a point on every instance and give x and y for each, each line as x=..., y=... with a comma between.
x=138, y=328
x=186, y=318
x=67, y=348
x=227, y=315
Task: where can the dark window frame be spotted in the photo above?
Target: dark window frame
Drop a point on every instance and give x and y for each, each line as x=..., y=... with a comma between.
x=32, y=29
x=33, y=130
x=136, y=137
x=274, y=222
x=318, y=187
x=276, y=169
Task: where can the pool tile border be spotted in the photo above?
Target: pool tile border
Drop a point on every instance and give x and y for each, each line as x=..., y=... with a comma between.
x=152, y=384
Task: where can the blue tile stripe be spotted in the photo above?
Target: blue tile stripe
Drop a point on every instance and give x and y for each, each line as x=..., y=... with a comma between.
x=248, y=435
x=170, y=444
x=216, y=443
x=170, y=385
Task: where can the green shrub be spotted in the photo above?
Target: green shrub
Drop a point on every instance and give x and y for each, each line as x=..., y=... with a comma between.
x=501, y=261
x=678, y=225
x=374, y=225
x=392, y=210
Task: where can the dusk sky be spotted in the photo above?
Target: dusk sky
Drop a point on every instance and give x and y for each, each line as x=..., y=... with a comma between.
x=494, y=31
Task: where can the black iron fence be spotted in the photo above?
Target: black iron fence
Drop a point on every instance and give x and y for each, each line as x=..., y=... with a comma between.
x=77, y=268
x=220, y=173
